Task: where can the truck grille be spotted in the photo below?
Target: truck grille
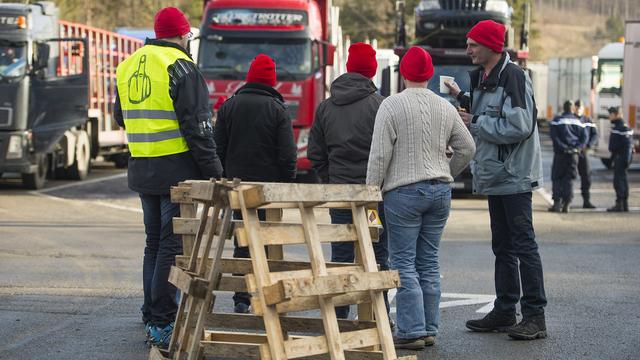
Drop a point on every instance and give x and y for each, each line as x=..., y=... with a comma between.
x=459, y=23
x=5, y=116
x=472, y=5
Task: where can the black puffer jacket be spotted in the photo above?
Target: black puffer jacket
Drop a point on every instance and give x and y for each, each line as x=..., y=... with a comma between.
x=255, y=137
x=340, y=138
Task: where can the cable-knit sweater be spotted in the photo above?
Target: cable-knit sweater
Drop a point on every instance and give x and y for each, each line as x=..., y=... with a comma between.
x=410, y=138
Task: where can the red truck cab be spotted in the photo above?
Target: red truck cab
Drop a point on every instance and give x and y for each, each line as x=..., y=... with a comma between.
x=292, y=32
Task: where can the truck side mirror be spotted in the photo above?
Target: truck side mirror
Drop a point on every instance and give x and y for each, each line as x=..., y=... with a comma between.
x=41, y=57
x=329, y=51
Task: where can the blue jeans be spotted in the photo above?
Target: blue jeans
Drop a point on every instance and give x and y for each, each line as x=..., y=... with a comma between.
x=416, y=215
x=160, y=252
x=344, y=251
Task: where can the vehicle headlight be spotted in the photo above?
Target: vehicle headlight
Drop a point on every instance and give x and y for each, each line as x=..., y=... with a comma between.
x=429, y=25
x=428, y=5
x=15, y=148
x=500, y=6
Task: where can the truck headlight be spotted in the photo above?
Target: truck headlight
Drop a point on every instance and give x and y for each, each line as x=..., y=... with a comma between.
x=428, y=5
x=429, y=25
x=15, y=148
x=500, y=6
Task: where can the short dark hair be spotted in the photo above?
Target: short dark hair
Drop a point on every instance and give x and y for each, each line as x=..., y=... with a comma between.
x=613, y=110
x=567, y=106
x=578, y=103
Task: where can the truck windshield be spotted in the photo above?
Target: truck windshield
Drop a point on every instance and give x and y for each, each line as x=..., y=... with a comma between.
x=231, y=57
x=13, y=61
x=459, y=72
x=610, y=76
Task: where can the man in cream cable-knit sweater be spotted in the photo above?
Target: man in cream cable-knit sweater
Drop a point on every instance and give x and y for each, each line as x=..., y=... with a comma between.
x=408, y=155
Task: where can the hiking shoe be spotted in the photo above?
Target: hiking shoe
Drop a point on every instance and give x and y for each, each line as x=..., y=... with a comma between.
x=161, y=337
x=529, y=328
x=241, y=308
x=409, y=344
x=429, y=341
x=493, y=321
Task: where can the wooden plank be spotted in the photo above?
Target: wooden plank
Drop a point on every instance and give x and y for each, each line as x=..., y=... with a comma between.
x=312, y=303
x=205, y=191
x=261, y=271
x=274, y=252
x=317, y=345
x=287, y=289
x=306, y=273
x=310, y=193
x=157, y=354
x=377, y=300
x=289, y=323
x=180, y=194
x=243, y=266
x=235, y=337
x=188, y=284
x=318, y=267
x=277, y=233
x=232, y=283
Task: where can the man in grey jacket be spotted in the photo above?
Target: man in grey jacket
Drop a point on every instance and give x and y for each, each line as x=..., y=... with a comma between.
x=507, y=167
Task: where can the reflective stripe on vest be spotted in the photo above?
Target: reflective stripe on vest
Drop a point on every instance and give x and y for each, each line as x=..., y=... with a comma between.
x=143, y=88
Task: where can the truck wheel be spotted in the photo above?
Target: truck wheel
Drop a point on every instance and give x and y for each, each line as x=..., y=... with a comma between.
x=606, y=162
x=39, y=178
x=81, y=165
x=121, y=160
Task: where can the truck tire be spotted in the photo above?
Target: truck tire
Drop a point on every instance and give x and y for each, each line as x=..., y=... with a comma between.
x=606, y=162
x=37, y=180
x=82, y=162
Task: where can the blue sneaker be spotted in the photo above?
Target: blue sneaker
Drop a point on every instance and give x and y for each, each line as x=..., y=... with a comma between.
x=161, y=337
x=147, y=329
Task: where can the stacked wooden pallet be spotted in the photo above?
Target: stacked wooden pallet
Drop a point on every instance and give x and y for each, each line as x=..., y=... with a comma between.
x=278, y=286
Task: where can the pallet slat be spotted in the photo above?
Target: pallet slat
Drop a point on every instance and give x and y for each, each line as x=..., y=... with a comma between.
x=292, y=234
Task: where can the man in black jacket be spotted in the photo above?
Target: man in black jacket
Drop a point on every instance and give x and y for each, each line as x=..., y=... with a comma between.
x=620, y=145
x=584, y=167
x=340, y=141
x=163, y=105
x=255, y=140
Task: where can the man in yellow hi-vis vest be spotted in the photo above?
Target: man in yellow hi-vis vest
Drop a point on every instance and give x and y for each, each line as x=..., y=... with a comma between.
x=163, y=104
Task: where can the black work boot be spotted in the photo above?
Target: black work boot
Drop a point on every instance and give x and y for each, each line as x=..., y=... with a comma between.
x=625, y=205
x=493, y=321
x=565, y=206
x=556, y=207
x=617, y=207
x=586, y=204
x=530, y=328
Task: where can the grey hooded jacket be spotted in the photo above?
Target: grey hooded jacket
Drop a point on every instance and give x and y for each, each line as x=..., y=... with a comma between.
x=508, y=158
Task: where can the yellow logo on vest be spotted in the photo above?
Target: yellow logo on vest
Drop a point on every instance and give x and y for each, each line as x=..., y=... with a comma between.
x=140, y=83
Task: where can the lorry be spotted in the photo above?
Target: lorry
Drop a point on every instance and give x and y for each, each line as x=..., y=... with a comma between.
x=631, y=86
x=57, y=88
x=295, y=33
x=441, y=27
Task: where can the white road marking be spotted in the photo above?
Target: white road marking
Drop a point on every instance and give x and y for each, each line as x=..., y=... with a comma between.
x=82, y=183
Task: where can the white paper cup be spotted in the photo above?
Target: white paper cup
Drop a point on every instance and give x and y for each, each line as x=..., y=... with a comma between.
x=443, y=88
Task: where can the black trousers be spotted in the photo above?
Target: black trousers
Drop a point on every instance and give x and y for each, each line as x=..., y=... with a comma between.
x=563, y=171
x=584, y=170
x=242, y=252
x=620, y=182
x=517, y=258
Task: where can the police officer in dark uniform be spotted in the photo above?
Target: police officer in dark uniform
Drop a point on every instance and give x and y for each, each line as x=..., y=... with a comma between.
x=569, y=138
x=584, y=167
x=621, y=152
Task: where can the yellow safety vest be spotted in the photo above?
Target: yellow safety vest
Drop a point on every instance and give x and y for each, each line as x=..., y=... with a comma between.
x=149, y=117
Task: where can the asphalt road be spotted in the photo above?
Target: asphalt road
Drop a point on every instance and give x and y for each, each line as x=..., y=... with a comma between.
x=71, y=255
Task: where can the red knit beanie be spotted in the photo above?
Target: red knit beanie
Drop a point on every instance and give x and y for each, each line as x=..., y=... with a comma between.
x=170, y=22
x=416, y=65
x=488, y=33
x=262, y=70
x=362, y=60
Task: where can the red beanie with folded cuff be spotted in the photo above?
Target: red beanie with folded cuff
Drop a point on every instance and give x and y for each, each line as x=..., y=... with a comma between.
x=362, y=60
x=488, y=33
x=262, y=70
x=170, y=22
x=218, y=104
x=416, y=65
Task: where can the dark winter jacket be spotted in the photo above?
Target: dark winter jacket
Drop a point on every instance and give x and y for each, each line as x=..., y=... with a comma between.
x=255, y=136
x=568, y=134
x=340, y=138
x=188, y=90
x=592, y=131
x=620, y=140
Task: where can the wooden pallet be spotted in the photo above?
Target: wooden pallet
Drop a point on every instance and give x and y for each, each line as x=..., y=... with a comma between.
x=278, y=286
